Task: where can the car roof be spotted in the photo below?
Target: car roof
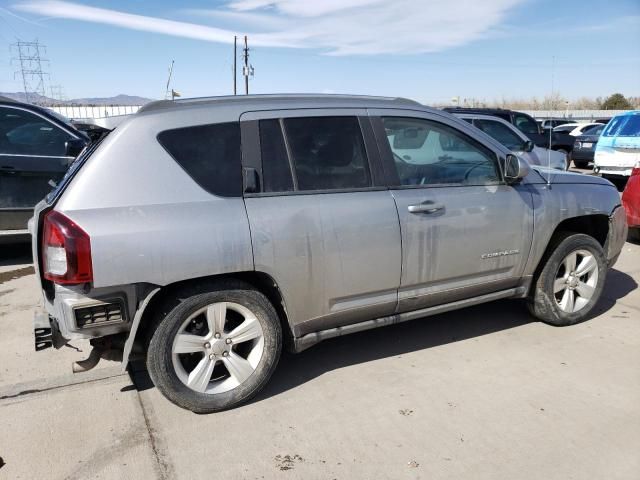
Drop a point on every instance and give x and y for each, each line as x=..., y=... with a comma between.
x=281, y=101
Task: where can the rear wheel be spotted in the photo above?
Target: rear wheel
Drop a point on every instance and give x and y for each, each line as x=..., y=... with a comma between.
x=215, y=350
x=570, y=282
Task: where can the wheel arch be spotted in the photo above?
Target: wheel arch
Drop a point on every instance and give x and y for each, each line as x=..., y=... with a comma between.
x=167, y=297
x=596, y=226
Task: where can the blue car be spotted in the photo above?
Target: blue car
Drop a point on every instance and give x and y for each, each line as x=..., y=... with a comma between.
x=618, y=149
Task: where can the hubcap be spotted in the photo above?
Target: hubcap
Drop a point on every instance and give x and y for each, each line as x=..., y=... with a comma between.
x=575, y=281
x=217, y=348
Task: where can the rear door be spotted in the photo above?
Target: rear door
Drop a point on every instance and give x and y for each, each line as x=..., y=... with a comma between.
x=32, y=152
x=323, y=225
x=465, y=232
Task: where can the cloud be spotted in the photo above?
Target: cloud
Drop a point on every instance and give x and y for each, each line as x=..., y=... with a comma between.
x=335, y=27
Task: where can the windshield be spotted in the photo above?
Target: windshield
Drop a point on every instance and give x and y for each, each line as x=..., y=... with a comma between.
x=594, y=130
x=623, y=126
x=501, y=133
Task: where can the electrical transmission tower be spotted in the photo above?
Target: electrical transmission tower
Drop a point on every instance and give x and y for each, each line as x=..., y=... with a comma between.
x=57, y=93
x=29, y=58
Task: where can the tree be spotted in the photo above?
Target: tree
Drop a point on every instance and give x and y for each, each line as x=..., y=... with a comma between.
x=616, y=102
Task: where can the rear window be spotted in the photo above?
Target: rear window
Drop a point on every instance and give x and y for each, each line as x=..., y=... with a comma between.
x=210, y=154
x=623, y=126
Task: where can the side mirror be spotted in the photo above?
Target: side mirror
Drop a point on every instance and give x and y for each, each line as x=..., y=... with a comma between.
x=515, y=169
x=528, y=146
x=73, y=147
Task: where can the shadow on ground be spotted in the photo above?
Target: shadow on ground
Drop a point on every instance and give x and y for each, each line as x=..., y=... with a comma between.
x=294, y=370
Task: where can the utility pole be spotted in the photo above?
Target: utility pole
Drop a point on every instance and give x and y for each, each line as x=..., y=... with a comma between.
x=30, y=62
x=235, y=64
x=247, y=70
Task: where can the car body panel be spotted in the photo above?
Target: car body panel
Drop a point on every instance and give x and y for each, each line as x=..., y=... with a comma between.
x=338, y=258
x=631, y=199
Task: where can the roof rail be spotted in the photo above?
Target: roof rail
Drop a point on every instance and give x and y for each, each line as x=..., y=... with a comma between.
x=185, y=102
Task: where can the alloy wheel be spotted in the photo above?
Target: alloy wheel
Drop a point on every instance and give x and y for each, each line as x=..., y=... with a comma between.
x=575, y=281
x=217, y=348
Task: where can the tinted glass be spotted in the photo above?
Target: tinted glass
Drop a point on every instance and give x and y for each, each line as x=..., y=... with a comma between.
x=525, y=124
x=623, y=126
x=430, y=153
x=24, y=133
x=328, y=153
x=210, y=154
x=501, y=133
x=276, y=171
x=594, y=130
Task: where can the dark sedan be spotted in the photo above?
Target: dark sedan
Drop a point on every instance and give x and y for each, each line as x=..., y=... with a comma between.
x=585, y=146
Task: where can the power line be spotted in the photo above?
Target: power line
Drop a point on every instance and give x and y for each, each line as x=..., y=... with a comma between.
x=30, y=62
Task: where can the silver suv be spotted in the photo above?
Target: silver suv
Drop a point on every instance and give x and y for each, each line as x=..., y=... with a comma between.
x=204, y=234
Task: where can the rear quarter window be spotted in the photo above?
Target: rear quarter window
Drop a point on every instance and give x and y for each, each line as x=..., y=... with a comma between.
x=210, y=154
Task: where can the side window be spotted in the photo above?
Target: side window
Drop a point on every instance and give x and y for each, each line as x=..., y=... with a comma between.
x=445, y=155
x=501, y=133
x=210, y=154
x=328, y=153
x=526, y=124
x=276, y=171
x=25, y=133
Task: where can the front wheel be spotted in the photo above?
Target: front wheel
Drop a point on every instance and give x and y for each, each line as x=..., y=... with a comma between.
x=215, y=350
x=571, y=281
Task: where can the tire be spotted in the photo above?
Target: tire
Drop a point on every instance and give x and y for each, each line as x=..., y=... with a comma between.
x=573, y=303
x=581, y=164
x=222, y=372
x=634, y=234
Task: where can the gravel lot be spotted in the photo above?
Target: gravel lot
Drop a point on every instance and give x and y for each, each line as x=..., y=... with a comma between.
x=482, y=393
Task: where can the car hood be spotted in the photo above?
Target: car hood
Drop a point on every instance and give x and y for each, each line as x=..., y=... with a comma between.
x=541, y=174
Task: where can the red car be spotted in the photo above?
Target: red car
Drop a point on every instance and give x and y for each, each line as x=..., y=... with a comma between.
x=631, y=202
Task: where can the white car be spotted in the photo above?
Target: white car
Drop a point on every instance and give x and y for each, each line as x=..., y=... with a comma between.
x=516, y=141
x=574, y=129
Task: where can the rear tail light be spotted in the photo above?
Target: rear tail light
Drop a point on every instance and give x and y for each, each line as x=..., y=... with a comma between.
x=66, y=251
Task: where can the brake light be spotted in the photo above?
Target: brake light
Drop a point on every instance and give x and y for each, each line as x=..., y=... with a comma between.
x=66, y=250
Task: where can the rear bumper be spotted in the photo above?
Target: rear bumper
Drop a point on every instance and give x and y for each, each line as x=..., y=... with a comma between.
x=582, y=155
x=79, y=314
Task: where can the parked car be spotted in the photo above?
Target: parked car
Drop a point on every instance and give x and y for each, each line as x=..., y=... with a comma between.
x=585, y=146
x=209, y=232
x=574, y=129
x=516, y=141
x=560, y=142
x=618, y=148
x=36, y=148
x=631, y=202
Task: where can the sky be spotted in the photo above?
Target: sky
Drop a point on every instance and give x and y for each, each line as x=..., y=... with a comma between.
x=428, y=50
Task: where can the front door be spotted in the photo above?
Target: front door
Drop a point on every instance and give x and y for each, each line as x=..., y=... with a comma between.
x=32, y=153
x=464, y=231
x=323, y=225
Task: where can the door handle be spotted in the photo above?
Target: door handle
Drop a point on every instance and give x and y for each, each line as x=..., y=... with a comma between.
x=426, y=207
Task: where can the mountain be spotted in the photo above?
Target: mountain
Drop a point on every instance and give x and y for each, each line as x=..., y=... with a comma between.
x=121, y=99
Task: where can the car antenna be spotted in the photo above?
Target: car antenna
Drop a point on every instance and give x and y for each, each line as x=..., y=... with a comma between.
x=553, y=68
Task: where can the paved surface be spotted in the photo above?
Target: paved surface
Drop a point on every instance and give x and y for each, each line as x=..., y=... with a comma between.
x=482, y=393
